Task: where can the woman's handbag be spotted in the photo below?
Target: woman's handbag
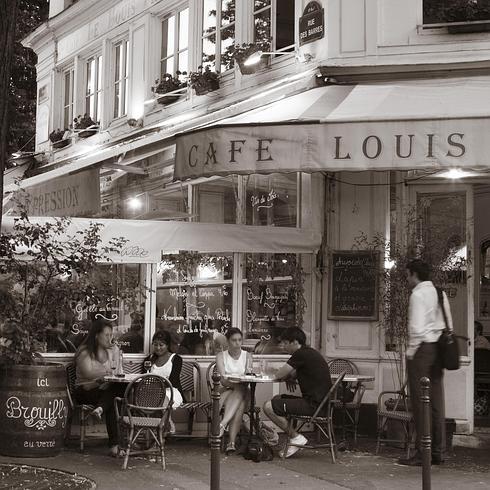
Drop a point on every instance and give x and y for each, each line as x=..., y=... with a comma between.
x=448, y=344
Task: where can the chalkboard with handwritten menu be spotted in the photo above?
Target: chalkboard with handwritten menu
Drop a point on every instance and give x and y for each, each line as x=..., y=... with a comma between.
x=353, y=285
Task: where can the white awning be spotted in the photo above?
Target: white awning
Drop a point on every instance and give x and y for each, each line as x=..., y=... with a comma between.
x=409, y=125
x=148, y=240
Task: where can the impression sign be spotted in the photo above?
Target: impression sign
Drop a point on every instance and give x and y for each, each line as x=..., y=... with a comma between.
x=312, y=23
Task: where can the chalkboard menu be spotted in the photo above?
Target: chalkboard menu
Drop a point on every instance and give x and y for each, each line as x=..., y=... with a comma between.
x=353, y=285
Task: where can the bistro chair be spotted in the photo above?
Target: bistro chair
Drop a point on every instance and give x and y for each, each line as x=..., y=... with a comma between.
x=190, y=380
x=350, y=406
x=394, y=407
x=84, y=409
x=322, y=420
x=146, y=406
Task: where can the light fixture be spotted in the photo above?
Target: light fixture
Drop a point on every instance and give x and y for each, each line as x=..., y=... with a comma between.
x=135, y=123
x=456, y=173
x=135, y=203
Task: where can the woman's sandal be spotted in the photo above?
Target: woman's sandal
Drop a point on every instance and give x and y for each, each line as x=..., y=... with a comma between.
x=222, y=429
x=230, y=448
x=97, y=412
x=117, y=452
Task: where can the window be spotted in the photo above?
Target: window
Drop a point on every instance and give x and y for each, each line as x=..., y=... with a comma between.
x=121, y=301
x=216, y=201
x=274, y=20
x=175, y=43
x=93, y=87
x=218, y=34
x=121, y=76
x=68, y=96
x=442, y=11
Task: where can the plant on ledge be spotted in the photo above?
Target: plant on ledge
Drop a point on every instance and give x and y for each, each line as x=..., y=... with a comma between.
x=85, y=123
x=57, y=140
x=203, y=80
x=241, y=52
x=168, y=84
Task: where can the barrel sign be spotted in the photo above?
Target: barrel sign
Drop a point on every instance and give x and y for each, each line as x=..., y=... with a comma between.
x=33, y=410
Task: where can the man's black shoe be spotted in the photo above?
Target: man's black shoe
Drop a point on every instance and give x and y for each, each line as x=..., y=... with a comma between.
x=437, y=460
x=413, y=461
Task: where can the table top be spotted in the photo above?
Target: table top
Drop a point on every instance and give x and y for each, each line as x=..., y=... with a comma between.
x=355, y=378
x=120, y=379
x=248, y=378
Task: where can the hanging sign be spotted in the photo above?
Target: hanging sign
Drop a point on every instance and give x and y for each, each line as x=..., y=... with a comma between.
x=311, y=23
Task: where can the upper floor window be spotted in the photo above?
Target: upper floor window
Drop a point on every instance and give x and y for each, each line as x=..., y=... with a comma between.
x=121, y=78
x=93, y=87
x=442, y=11
x=68, y=97
x=175, y=43
x=218, y=34
x=274, y=19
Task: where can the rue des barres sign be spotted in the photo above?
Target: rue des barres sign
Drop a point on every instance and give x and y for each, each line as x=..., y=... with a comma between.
x=311, y=23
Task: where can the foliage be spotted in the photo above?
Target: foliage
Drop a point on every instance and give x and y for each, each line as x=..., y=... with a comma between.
x=241, y=52
x=456, y=11
x=83, y=122
x=46, y=269
x=56, y=135
x=169, y=83
x=203, y=80
x=437, y=248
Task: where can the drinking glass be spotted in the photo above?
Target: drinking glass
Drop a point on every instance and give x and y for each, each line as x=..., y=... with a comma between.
x=113, y=366
x=147, y=366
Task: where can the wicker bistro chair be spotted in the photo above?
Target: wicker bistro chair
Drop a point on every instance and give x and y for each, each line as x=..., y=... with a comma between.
x=395, y=406
x=146, y=406
x=322, y=420
x=190, y=379
x=350, y=409
x=84, y=409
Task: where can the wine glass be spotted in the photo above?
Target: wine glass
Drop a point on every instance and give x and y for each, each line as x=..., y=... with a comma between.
x=113, y=366
x=147, y=366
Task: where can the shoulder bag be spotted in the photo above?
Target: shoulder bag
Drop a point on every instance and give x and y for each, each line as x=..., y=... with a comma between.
x=448, y=344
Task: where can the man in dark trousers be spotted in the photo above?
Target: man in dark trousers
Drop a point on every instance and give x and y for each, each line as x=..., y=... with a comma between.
x=311, y=370
x=425, y=325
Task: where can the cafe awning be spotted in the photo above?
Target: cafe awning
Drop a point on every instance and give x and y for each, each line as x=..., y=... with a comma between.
x=147, y=240
x=407, y=125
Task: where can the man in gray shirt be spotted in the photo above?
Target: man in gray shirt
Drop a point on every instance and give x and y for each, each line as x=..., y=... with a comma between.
x=425, y=325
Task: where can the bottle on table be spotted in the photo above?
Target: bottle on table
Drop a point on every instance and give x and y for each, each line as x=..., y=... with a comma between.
x=249, y=368
x=120, y=364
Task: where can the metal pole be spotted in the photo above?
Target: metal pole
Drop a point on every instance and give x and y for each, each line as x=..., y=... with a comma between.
x=215, y=438
x=425, y=440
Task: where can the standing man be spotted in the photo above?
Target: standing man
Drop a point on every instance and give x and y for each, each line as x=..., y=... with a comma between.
x=425, y=325
x=311, y=370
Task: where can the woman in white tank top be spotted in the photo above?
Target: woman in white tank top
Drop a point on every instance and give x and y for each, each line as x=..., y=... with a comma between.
x=234, y=396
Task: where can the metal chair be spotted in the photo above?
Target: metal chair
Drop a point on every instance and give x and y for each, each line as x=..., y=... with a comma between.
x=350, y=408
x=322, y=419
x=84, y=409
x=190, y=380
x=146, y=406
x=396, y=410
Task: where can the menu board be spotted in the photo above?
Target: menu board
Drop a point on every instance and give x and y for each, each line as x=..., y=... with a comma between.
x=353, y=285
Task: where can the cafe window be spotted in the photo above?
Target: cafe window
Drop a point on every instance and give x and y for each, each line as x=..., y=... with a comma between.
x=273, y=298
x=194, y=301
x=93, y=87
x=121, y=294
x=121, y=78
x=272, y=200
x=274, y=20
x=68, y=97
x=218, y=34
x=175, y=43
x=216, y=200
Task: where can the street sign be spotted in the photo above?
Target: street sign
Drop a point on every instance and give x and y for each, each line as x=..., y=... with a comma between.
x=311, y=23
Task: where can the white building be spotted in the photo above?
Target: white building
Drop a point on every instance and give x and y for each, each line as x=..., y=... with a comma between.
x=329, y=140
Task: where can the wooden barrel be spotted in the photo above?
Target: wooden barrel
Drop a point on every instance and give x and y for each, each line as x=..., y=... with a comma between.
x=33, y=410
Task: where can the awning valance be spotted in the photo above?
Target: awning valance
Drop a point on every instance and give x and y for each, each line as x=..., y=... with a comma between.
x=148, y=240
x=418, y=124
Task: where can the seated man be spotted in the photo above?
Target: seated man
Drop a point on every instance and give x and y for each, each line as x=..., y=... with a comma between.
x=481, y=342
x=311, y=370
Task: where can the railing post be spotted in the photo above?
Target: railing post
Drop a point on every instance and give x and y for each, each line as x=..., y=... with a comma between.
x=215, y=438
x=425, y=440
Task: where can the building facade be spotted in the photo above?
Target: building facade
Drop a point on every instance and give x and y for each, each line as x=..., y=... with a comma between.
x=352, y=116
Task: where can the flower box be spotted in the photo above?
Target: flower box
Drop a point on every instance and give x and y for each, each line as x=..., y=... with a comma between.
x=90, y=131
x=61, y=143
x=468, y=27
x=264, y=62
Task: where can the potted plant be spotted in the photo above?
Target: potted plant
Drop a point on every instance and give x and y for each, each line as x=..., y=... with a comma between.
x=85, y=126
x=45, y=268
x=203, y=80
x=467, y=11
x=168, y=84
x=59, y=138
x=242, y=52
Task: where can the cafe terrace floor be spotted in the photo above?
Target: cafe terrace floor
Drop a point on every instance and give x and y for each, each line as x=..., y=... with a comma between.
x=188, y=468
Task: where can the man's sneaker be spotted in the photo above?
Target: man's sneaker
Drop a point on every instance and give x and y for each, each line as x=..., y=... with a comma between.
x=298, y=441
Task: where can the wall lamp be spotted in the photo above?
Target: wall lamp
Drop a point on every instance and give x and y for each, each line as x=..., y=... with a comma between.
x=135, y=123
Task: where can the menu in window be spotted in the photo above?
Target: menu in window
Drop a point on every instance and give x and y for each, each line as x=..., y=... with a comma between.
x=353, y=285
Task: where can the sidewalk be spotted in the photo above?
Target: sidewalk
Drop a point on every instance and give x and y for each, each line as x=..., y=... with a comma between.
x=188, y=468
